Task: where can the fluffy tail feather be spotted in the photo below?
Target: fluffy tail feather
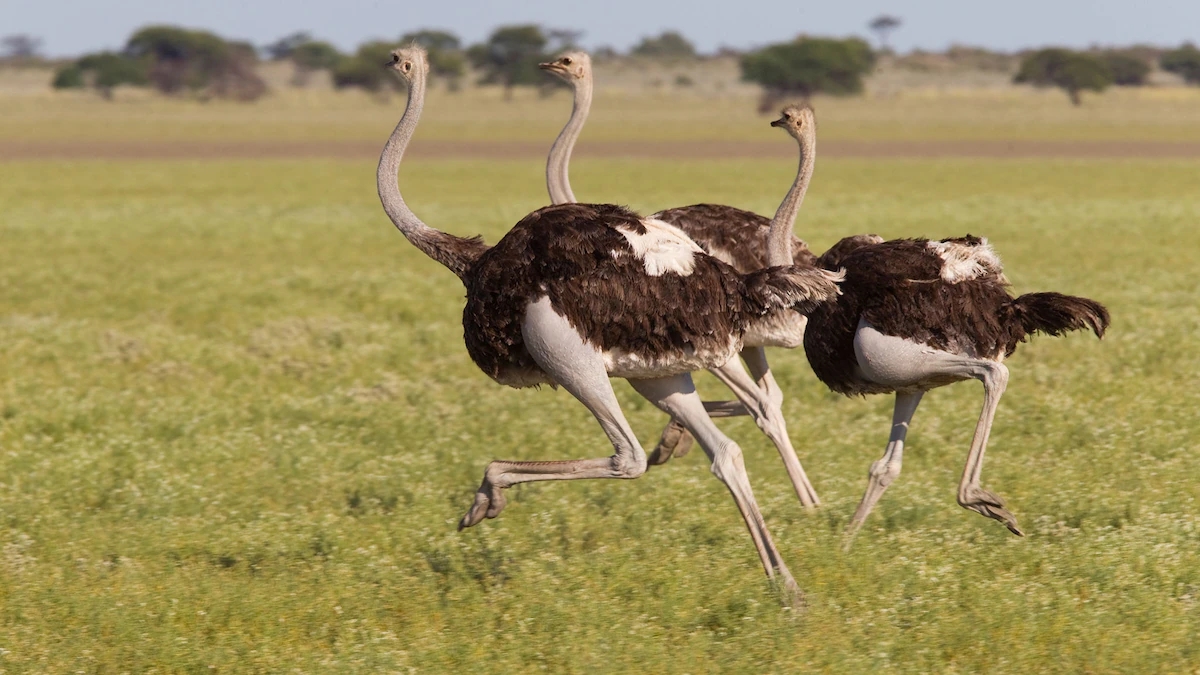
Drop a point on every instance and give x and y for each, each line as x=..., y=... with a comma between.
x=1055, y=313
x=790, y=287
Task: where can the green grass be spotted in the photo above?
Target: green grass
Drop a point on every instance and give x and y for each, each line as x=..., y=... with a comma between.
x=238, y=426
x=1157, y=115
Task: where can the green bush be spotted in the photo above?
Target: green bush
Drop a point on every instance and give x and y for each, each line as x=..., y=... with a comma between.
x=1184, y=62
x=808, y=66
x=178, y=60
x=1070, y=71
x=669, y=44
x=1127, y=70
x=69, y=76
x=510, y=57
x=316, y=55
x=355, y=71
x=103, y=71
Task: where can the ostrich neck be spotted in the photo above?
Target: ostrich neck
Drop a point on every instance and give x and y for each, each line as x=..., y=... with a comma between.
x=779, y=239
x=431, y=242
x=558, y=182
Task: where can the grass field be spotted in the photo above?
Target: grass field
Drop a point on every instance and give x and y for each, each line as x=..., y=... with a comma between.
x=238, y=426
x=1159, y=114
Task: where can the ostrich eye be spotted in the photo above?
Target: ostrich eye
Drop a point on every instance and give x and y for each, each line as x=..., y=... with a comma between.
x=395, y=58
x=566, y=62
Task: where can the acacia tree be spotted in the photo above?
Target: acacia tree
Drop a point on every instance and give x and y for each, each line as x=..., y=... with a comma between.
x=1184, y=62
x=21, y=47
x=883, y=25
x=284, y=47
x=1070, y=71
x=179, y=60
x=807, y=66
x=365, y=69
x=1126, y=69
x=104, y=72
x=306, y=54
x=510, y=57
x=669, y=44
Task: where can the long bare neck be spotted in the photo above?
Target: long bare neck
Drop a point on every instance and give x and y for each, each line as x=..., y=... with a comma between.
x=779, y=239
x=456, y=253
x=558, y=182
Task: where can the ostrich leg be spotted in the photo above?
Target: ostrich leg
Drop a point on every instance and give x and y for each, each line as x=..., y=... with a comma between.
x=759, y=396
x=900, y=363
x=677, y=396
x=887, y=468
x=676, y=441
x=578, y=368
x=774, y=426
x=970, y=494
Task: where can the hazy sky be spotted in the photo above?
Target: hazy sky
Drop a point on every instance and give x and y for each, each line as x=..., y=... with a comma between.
x=70, y=27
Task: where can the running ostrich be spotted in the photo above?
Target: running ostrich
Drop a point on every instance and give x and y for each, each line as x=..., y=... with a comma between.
x=916, y=314
x=737, y=237
x=578, y=293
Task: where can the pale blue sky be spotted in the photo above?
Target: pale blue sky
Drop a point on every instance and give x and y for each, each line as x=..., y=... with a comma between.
x=70, y=27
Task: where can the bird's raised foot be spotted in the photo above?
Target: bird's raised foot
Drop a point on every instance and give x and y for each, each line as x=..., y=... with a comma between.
x=489, y=502
x=988, y=503
x=676, y=441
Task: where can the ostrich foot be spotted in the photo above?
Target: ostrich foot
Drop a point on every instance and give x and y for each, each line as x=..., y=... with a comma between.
x=489, y=502
x=987, y=503
x=676, y=441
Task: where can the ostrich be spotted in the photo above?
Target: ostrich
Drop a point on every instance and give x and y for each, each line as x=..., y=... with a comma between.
x=916, y=314
x=578, y=293
x=737, y=237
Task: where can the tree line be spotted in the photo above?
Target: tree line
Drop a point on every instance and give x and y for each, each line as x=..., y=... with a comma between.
x=177, y=61
x=1075, y=72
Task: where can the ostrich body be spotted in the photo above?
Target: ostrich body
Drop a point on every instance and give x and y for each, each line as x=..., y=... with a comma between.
x=737, y=237
x=916, y=314
x=575, y=294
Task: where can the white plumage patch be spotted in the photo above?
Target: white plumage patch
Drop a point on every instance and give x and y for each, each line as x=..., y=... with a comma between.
x=663, y=248
x=687, y=359
x=963, y=263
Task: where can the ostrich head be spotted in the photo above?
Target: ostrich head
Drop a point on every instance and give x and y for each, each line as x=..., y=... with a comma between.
x=406, y=61
x=797, y=120
x=569, y=66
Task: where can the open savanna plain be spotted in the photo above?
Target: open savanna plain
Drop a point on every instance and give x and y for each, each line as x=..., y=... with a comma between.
x=238, y=425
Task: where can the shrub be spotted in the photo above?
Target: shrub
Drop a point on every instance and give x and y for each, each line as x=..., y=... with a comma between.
x=179, y=60
x=1184, y=62
x=103, y=71
x=807, y=66
x=510, y=57
x=69, y=76
x=1126, y=69
x=1070, y=71
x=669, y=44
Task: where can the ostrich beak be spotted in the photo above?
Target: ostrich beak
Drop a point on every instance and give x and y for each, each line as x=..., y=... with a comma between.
x=547, y=66
x=779, y=122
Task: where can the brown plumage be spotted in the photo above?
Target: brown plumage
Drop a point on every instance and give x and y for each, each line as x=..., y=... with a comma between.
x=736, y=236
x=897, y=286
x=576, y=255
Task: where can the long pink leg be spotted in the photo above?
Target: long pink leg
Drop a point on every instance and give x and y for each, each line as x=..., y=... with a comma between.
x=677, y=397
x=887, y=469
x=579, y=368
